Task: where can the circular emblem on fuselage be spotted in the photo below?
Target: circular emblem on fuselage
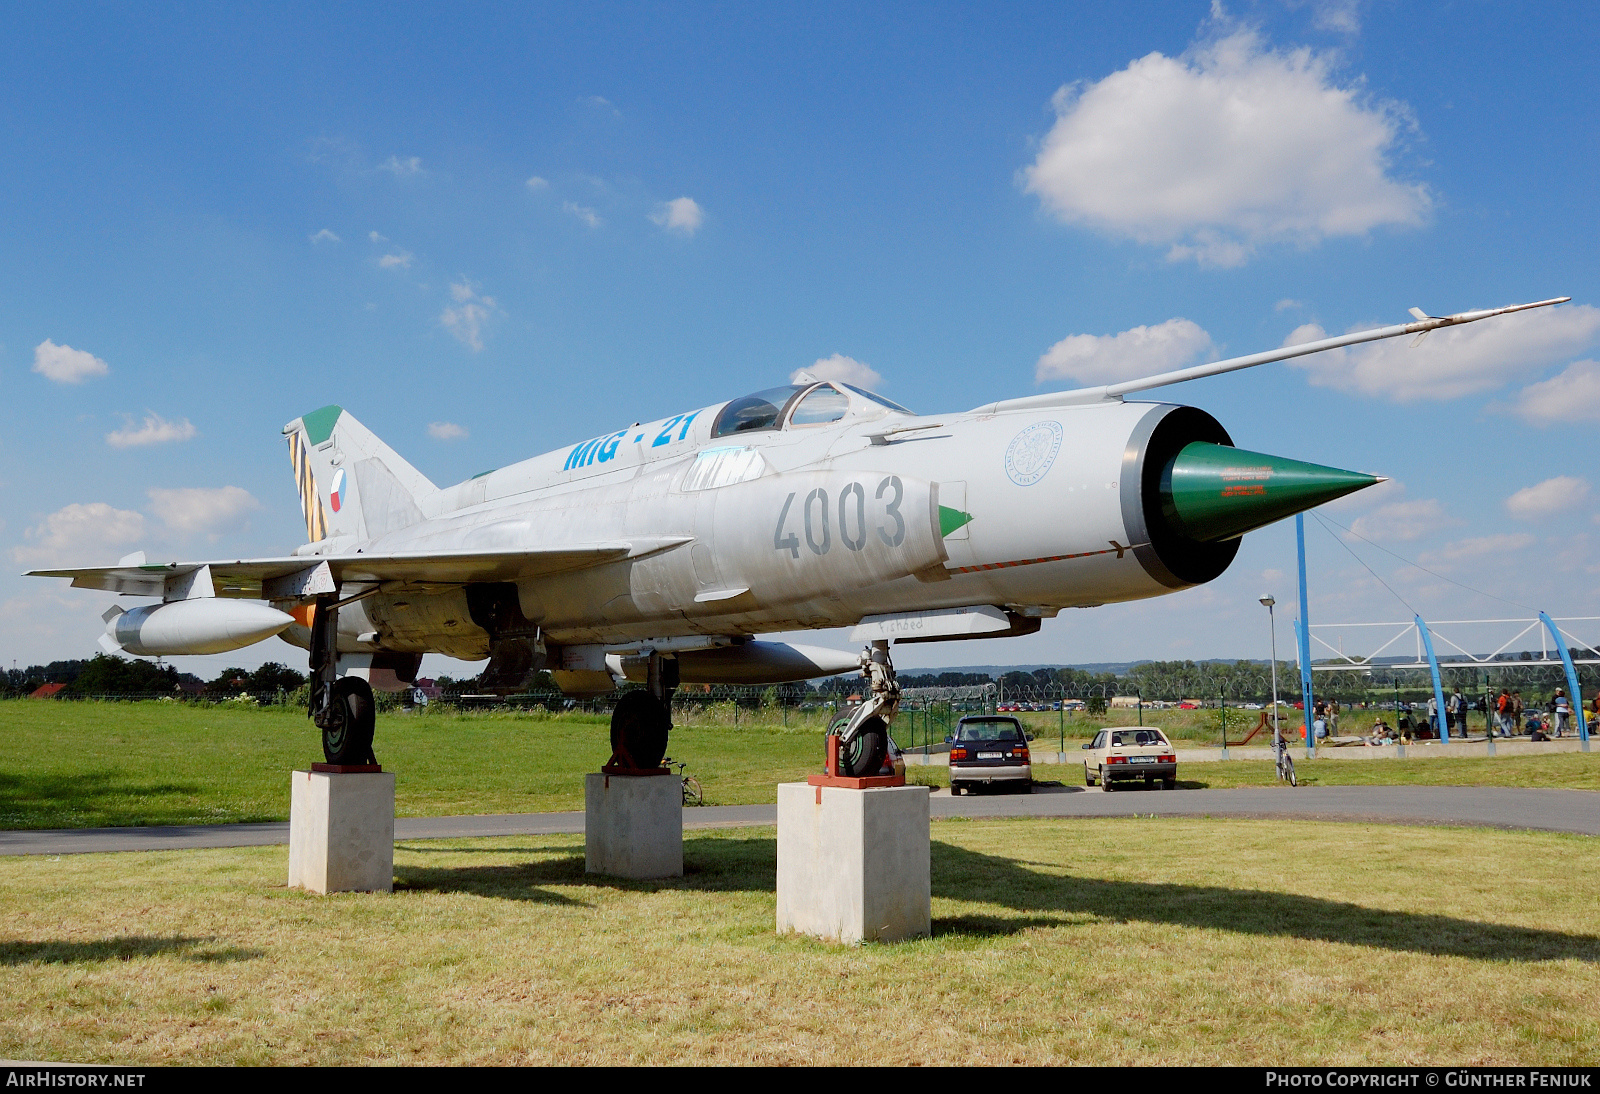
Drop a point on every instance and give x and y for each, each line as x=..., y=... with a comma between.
x=1032, y=452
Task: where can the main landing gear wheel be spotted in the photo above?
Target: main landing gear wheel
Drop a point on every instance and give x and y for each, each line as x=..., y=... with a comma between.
x=640, y=725
x=865, y=753
x=347, y=736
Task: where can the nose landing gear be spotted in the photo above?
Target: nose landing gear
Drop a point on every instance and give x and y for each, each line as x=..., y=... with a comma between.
x=864, y=733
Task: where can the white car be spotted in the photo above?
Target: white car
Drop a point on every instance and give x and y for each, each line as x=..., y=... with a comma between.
x=1130, y=755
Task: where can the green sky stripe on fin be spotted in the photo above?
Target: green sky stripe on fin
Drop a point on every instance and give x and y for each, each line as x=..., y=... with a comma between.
x=319, y=423
x=951, y=519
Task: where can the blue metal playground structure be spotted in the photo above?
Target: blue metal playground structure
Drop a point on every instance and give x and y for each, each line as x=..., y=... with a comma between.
x=1556, y=648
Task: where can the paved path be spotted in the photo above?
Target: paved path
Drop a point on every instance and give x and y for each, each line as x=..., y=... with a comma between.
x=1483, y=807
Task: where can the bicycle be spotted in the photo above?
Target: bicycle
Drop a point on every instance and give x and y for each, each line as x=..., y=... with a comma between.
x=692, y=794
x=1285, y=763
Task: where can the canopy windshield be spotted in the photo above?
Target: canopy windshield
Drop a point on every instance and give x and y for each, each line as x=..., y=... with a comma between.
x=763, y=410
x=879, y=399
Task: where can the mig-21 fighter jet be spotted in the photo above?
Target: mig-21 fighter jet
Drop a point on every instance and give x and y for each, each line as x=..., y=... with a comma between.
x=658, y=552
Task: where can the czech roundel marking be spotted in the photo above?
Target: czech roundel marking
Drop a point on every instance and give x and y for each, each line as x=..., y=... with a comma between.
x=336, y=494
x=1032, y=452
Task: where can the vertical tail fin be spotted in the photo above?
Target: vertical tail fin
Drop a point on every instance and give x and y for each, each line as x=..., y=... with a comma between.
x=350, y=482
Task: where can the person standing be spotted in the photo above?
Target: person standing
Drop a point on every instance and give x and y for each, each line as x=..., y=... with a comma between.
x=1455, y=709
x=1518, y=709
x=1503, y=712
x=1560, y=711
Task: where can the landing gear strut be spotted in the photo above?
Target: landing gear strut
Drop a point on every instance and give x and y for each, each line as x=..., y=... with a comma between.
x=642, y=720
x=864, y=733
x=342, y=707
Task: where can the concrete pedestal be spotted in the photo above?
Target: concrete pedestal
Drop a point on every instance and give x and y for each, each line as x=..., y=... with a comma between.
x=854, y=865
x=341, y=832
x=633, y=825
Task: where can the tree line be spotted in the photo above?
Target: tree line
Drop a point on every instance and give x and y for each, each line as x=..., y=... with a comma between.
x=105, y=674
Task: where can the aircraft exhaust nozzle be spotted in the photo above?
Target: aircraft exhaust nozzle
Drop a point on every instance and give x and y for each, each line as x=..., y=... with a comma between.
x=208, y=625
x=1212, y=492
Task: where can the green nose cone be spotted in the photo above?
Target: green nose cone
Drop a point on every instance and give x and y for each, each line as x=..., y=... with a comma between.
x=1211, y=492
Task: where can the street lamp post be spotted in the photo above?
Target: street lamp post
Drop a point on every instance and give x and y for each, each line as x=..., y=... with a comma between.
x=1272, y=624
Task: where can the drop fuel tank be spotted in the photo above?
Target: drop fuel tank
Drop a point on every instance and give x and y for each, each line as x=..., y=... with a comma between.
x=209, y=625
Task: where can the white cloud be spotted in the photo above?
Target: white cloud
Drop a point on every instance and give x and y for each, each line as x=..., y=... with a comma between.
x=583, y=213
x=1228, y=147
x=1454, y=361
x=200, y=509
x=1108, y=358
x=1477, y=547
x=537, y=183
x=680, y=215
x=80, y=533
x=66, y=365
x=154, y=430
x=376, y=237
x=446, y=431
x=1286, y=304
x=846, y=370
x=398, y=261
x=1552, y=496
x=1341, y=16
x=1402, y=520
x=323, y=235
x=411, y=165
x=467, y=317
x=1571, y=396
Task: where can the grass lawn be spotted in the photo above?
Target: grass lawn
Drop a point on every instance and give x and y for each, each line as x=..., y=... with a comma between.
x=1114, y=941
x=76, y=765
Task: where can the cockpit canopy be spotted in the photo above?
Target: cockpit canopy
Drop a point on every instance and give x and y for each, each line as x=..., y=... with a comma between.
x=794, y=405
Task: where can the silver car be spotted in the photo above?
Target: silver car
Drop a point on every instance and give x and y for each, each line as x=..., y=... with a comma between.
x=1130, y=754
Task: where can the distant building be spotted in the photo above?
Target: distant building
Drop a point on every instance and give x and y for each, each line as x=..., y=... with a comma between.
x=1124, y=701
x=48, y=691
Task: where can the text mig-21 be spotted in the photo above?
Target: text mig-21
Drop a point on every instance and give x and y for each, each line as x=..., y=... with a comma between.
x=656, y=553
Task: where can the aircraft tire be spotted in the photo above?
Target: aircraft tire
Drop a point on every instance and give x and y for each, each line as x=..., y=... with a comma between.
x=864, y=756
x=347, y=738
x=640, y=724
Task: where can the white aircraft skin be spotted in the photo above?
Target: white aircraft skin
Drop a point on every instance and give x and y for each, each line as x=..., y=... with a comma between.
x=678, y=538
x=796, y=528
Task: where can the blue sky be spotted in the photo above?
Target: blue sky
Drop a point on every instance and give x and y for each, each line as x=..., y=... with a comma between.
x=490, y=230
